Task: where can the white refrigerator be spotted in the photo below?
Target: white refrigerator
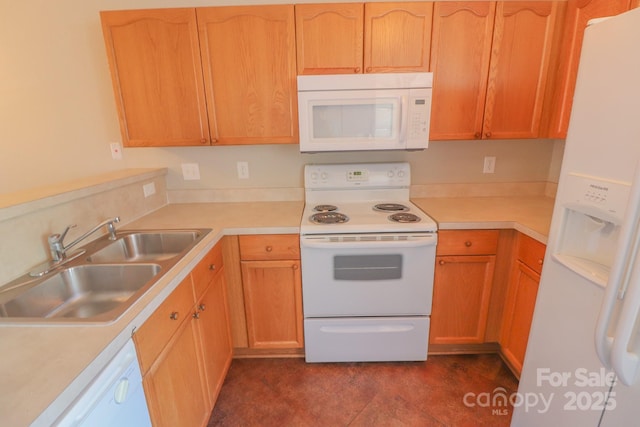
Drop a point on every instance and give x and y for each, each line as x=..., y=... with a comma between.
x=581, y=366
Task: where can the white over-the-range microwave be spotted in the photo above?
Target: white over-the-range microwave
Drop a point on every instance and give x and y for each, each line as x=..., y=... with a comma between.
x=356, y=112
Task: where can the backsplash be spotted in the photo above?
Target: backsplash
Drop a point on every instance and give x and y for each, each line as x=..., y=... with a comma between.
x=25, y=227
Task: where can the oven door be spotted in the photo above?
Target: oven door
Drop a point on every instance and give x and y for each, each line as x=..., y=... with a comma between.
x=367, y=277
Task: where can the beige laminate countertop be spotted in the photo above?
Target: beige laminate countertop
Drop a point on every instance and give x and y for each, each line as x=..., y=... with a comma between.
x=43, y=368
x=529, y=215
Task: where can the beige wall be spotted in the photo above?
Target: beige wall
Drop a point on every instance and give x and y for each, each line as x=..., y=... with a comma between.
x=57, y=116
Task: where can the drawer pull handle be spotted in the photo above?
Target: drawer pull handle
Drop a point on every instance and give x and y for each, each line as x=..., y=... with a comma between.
x=268, y=249
x=196, y=315
x=212, y=267
x=174, y=315
x=441, y=262
x=202, y=307
x=468, y=243
x=294, y=266
x=540, y=261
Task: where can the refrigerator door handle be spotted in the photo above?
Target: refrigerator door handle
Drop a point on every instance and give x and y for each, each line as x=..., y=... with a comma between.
x=624, y=355
x=619, y=275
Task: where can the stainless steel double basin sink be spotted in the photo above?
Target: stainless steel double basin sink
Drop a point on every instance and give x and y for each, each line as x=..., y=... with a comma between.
x=102, y=283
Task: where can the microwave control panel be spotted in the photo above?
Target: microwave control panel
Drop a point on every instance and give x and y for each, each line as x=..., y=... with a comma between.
x=418, y=117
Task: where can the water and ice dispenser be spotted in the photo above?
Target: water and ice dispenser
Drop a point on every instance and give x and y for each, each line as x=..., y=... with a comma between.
x=591, y=220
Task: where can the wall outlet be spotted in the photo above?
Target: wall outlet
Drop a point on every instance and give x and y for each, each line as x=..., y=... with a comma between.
x=489, y=164
x=149, y=189
x=243, y=170
x=116, y=151
x=190, y=171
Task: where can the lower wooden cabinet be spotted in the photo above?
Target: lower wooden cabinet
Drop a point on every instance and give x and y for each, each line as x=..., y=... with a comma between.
x=272, y=285
x=214, y=334
x=521, y=300
x=174, y=385
x=463, y=278
x=184, y=348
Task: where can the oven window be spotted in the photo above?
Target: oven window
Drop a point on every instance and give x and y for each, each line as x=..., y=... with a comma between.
x=367, y=267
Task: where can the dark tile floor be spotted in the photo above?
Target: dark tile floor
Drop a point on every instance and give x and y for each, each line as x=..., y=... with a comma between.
x=289, y=392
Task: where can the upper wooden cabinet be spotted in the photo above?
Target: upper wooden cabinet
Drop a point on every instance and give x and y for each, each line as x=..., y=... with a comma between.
x=355, y=37
x=248, y=55
x=156, y=72
x=329, y=38
x=490, y=62
x=164, y=61
x=579, y=12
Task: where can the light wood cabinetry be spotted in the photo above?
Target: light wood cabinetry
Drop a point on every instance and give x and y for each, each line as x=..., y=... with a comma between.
x=521, y=300
x=272, y=287
x=212, y=321
x=154, y=58
x=490, y=62
x=346, y=38
x=173, y=382
x=578, y=13
x=184, y=348
x=250, y=73
x=222, y=75
x=465, y=262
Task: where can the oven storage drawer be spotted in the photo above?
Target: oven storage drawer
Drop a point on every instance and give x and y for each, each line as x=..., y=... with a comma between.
x=366, y=339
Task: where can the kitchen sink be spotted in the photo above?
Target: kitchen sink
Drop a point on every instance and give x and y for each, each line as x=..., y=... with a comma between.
x=146, y=246
x=100, y=286
x=85, y=291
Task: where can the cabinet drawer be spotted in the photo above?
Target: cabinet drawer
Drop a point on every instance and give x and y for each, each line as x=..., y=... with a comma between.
x=206, y=270
x=270, y=247
x=467, y=242
x=531, y=252
x=154, y=334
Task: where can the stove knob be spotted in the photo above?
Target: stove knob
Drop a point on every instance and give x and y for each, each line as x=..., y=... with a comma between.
x=324, y=176
x=400, y=174
x=314, y=176
x=390, y=174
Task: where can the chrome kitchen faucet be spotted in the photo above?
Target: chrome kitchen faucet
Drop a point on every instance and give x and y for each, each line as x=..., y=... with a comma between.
x=59, y=250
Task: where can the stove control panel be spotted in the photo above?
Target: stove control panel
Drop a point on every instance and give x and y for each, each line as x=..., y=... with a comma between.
x=374, y=175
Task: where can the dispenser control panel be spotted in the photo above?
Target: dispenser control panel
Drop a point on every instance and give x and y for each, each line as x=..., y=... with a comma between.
x=607, y=195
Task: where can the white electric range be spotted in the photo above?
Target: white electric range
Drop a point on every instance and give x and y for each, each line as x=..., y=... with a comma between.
x=368, y=258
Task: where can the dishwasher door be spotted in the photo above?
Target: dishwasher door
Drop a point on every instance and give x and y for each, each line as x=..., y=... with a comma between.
x=114, y=398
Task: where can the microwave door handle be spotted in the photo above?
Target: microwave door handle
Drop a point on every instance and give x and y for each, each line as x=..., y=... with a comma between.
x=403, y=120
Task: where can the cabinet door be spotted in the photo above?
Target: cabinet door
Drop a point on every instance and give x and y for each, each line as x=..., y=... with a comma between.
x=329, y=38
x=579, y=12
x=519, y=314
x=397, y=36
x=154, y=58
x=461, y=292
x=273, y=301
x=460, y=52
x=521, y=51
x=212, y=316
x=248, y=55
x=173, y=387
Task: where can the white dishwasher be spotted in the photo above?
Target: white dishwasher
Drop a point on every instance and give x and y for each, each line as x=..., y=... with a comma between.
x=114, y=398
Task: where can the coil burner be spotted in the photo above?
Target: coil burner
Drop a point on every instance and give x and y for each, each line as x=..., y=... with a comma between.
x=404, y=217
x=390, y=207
x=325, y=208
x=329, y=218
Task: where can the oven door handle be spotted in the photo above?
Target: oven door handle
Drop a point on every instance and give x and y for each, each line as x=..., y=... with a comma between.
x=415, y=242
